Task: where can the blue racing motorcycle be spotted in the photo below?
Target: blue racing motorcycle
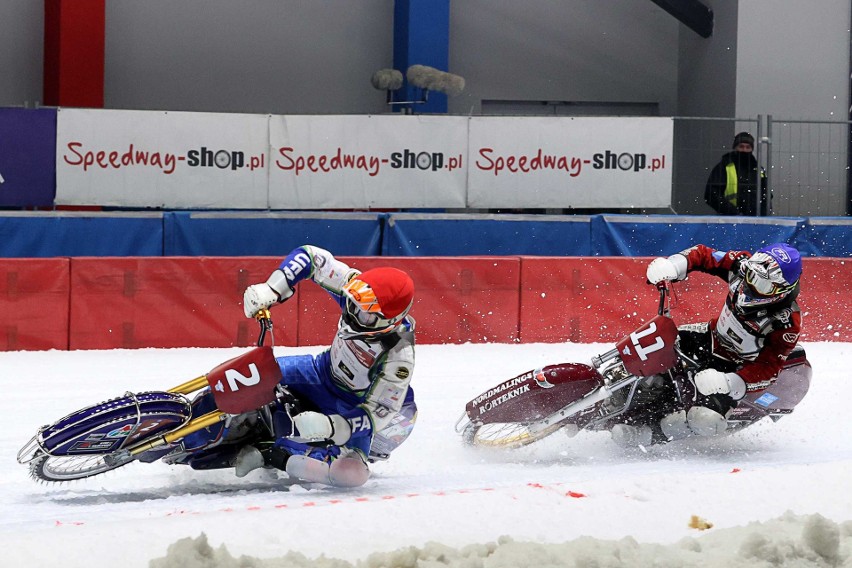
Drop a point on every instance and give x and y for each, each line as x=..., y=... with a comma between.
x=202, y=423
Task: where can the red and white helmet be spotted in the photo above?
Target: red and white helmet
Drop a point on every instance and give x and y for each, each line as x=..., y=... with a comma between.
x=376, y=301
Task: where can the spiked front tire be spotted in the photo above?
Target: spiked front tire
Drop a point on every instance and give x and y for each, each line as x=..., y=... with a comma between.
x=68, y=468
x=506, y=435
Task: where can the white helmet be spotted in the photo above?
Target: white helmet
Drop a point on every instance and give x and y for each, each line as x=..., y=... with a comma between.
x=769, y=276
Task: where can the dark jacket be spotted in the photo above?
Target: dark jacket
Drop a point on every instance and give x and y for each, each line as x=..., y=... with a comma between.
x=733, y=183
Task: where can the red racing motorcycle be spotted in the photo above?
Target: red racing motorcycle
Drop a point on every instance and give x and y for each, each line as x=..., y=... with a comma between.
x=642, y=378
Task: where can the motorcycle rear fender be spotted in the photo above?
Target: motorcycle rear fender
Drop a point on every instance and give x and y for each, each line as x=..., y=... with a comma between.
x=108, y=426
x=535, y=394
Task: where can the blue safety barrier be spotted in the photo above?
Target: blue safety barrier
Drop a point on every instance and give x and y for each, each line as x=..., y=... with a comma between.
x=410, y=234
x=654, y=235
x=270, y=234
x=825, y=236
x=50, y=234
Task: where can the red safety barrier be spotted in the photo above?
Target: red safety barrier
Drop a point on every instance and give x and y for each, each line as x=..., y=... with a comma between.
x=167, y=302
x=585, y=300
x=104, y=303
x=34, y=295
x=457, y=300
x=826, y=287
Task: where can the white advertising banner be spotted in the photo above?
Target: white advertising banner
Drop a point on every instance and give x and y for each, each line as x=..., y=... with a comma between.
x=367, y=161
x=161, y=159
x=561, y=162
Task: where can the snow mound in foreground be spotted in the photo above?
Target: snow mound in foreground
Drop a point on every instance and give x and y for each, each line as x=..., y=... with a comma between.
x=800, y=541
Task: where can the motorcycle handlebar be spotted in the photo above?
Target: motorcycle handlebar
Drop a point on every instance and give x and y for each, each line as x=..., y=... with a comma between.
x=264, y=318
x=664, y=287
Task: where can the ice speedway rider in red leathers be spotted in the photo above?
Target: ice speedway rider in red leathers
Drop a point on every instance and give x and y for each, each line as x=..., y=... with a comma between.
x=363, y=406
x=740, y=351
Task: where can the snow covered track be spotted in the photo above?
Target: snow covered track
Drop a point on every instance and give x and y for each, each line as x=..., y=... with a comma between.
x=433, y=489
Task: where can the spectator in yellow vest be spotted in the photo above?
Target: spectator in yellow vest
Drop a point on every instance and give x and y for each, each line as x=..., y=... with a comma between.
x=733, y=184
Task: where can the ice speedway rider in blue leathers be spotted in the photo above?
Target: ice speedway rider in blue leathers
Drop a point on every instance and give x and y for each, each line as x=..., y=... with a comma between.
x=363, y=407
x=740, y=351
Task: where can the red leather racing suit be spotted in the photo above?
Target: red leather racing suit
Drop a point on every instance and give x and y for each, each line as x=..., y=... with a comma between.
x=758, y=338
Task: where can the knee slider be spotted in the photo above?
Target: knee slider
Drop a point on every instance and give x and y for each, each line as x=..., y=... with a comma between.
x=348, y=471
x=675, y=426
x=705, y=421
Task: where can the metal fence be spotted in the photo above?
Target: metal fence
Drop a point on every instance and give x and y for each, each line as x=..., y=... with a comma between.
x=807, y=162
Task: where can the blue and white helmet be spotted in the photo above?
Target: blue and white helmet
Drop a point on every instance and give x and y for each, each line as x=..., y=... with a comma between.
x=769, y=276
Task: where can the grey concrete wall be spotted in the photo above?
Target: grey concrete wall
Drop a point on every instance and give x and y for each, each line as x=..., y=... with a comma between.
x=793, y=63
x=255, y=56
x=784, y=58
x=304, y=56
x=707, y=79
x=299, y=56
x=793, y=59
x=21, y=52
x=553, y=50
x=707, y=67
x=317, y=57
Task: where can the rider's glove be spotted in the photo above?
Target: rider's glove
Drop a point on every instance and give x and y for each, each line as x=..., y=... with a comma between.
x=259, y=297
x=319, y=427
x=711, y=381
x=671, y=268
